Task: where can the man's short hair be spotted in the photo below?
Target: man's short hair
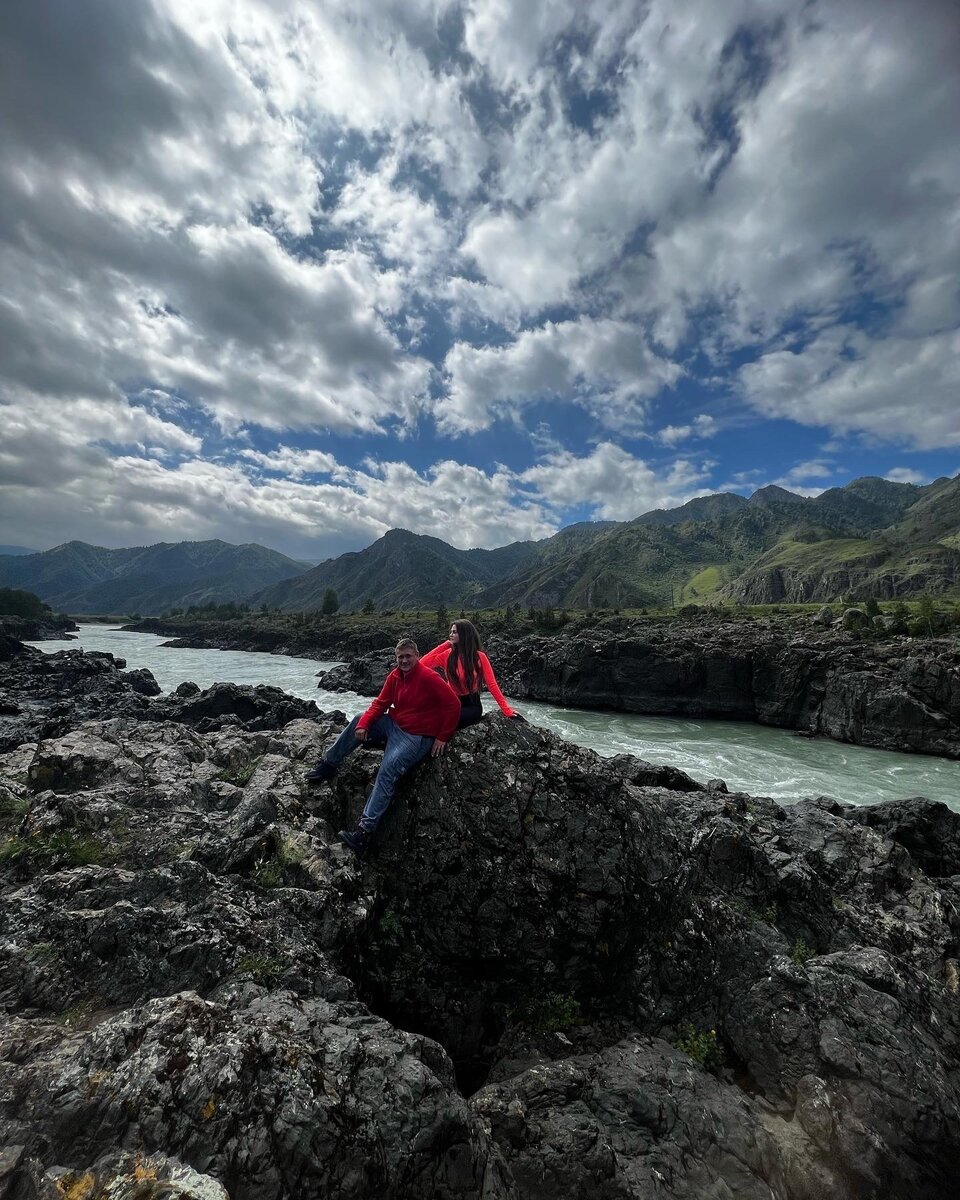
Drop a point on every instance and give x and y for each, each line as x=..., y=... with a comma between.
x=406, y=643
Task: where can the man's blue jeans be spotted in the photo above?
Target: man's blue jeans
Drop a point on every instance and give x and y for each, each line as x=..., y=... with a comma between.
x=403, y=751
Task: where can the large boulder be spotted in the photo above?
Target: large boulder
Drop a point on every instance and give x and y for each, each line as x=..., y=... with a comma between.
x=268, y=1094
x=515, y=865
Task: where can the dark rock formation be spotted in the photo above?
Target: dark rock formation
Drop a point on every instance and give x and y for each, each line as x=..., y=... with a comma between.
x=896, y=695
x=556, y=975
x=926, y=828
x=48, y=694
x=29, y=629
x=899, y=695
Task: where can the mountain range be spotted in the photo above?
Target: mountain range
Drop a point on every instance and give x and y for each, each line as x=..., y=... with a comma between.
x=79, y=578
x=873, y=537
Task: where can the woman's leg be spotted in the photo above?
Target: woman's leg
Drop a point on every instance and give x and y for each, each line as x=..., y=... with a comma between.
x=471, y=710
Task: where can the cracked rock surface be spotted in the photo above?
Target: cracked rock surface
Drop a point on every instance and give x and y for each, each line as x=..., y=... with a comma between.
x=556, y=975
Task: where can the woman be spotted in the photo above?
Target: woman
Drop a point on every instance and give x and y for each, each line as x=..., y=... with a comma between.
x=466, y=667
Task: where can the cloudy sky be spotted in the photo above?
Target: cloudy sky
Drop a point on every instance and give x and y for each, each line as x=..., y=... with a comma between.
x=299, y=271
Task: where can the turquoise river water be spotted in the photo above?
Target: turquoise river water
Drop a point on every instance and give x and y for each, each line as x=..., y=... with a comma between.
x=751, y=758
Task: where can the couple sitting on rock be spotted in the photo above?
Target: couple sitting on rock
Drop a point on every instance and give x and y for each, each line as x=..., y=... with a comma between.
x=423, y=701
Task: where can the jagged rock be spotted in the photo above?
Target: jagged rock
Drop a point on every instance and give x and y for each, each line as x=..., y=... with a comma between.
x=824, y=615
x=854, y=619
x=536, y=858
x=363, y=674
x=892, y=696
x=56, y=692
x=27, y=629
x=127, y=1176
x=926, y=828
x=142, y=681
x=190, y=963
x=254, y=708
x=267, y=1094
x=641, y=1119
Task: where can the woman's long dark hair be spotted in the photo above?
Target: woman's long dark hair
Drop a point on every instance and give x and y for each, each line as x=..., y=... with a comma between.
x=465, y=652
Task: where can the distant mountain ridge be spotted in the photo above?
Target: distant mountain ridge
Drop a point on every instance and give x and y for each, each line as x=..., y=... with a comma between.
x=79, y=578
x=698, y=551
x=873, y=537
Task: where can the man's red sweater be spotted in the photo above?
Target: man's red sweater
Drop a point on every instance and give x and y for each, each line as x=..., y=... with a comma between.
x=420, y=702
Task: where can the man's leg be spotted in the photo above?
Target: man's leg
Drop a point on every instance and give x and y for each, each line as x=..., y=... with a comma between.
x=345, y=744
x=404, y=751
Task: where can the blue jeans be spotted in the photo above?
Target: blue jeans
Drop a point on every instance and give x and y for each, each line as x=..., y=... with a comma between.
x=403, y=751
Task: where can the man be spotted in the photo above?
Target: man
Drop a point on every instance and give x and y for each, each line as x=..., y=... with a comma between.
x=414, y=715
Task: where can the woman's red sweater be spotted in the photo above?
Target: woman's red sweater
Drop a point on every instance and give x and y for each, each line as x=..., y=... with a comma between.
x=439, y=657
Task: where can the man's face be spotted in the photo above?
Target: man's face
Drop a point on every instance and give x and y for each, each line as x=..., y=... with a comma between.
x=406, y=659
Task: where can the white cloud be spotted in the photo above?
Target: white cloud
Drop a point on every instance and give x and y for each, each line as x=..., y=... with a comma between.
x=286, y=215
x=795, y=480
x=702, y=426
x=841, y=182
x=130, y=499
x=288, y=460
x=902, y=389
x=905, y=475
x=400, y=224
x=618, y=486
x=604, y=366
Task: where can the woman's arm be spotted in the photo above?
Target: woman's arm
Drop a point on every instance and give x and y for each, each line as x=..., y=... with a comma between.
x=492, y=686
x=437, y=657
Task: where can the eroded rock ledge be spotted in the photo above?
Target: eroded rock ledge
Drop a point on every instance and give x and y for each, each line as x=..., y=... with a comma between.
x=204, y=994
x=896, y=695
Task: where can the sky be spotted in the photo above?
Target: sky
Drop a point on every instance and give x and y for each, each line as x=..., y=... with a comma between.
x=297, y=272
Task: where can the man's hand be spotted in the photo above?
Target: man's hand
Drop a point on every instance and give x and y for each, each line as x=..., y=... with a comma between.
x=360, y=735
x=438, y=748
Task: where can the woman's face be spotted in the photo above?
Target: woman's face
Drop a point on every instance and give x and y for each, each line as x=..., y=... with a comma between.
x=454, y=636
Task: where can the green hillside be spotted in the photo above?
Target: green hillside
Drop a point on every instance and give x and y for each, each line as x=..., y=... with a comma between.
x=80, y=578
x=710, y=549
x=855, y=569
x=935, y=517
x=872, y=537
x=409, y=570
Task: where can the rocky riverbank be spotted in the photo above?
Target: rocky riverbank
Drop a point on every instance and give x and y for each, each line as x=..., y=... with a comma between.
x=900, y=693
x=558, y=975
x=302, y=637
x=28, y=629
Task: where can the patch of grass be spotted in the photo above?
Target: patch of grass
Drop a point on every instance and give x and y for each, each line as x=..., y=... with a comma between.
x=702, y=1046
x=264, y=969
x=801, y=953
x=42, y=953
x=58, y=849
x=702, y=586
x=270, y=873
x=12, y=808
x=551, y=1014
x=240, y=775
x=78, y=1014
x=389, y=927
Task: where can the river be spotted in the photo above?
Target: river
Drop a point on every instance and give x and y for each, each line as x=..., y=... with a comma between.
x=751, y=758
